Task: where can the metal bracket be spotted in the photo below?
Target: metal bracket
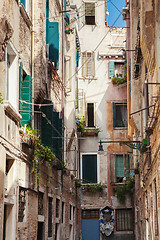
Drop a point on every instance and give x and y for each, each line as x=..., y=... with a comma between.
x=131, y=144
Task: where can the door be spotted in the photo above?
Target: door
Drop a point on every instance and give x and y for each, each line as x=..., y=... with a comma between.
x=90, y=224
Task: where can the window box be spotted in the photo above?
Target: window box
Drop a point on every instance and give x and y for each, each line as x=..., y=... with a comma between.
x=119, y=79
x=91, y=131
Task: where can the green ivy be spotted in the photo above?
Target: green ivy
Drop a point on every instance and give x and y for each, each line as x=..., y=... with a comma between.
x=1, y=99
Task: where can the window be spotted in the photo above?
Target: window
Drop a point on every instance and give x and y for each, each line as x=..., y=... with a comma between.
x=63, y=212
x=12, y=76
x=90, y=214
x=22, y=204
x=124, y=220
x=57, y=207
x=90, y=13
x=89, y=168
x=88, y=68
x=40, y=204
x=70, y=212
x=120, y=115
x=116, y=68
x=90, y=115
x=50, y=217
x=119, y=167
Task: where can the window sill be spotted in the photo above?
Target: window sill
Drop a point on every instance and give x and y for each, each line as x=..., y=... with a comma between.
x=88, y=78
x=25, y=15
x=120, y=128
x=11, y=112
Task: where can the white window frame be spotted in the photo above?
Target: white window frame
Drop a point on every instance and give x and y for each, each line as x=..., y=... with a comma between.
x=12, y=78
x=98, y=164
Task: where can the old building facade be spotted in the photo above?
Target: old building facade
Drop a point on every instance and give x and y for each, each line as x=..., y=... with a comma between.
x=142, y=18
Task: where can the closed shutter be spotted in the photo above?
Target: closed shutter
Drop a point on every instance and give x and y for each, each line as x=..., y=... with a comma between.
x=119, y=166
x=55, y=135
x=53, y=41
x=89, y=168
x=46, y=128
x=114, y=114
x=26, y=95
x=111, y=67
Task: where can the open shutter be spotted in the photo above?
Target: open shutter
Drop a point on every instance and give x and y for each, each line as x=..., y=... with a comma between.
x=93, y=64
x=27, y=97
x=114, y=114
x=53, y=41
x=111, y=67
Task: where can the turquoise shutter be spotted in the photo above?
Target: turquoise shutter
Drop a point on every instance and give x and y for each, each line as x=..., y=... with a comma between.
x=89, y=168
x=114, y=114
x=23, y=2
x=27, y=97
x=20, y=84
x=47, y=19
x=46, y=128
x=111, y=66
x=53, y=41
x=119, y=166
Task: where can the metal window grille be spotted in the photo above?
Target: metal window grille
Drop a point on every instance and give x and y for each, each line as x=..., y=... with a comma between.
x=50, y=217
x=124, y=220
x=57, y=207
x=90, y=214
x=22, y=203
x=40, y=204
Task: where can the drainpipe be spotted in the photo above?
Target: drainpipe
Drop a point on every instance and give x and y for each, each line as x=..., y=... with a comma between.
x=32, y=62
x=63, y=79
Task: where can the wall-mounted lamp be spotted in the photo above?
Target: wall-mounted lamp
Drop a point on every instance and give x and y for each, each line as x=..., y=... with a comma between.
x=132, y=144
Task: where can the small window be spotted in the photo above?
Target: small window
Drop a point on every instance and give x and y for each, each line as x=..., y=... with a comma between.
x=116, y=69
x=70, y=212
x=120, y=165
x=90, y=13
x=89, y=168
x=88, y=62
x=57, y=207
x=50, y=217
x=90, y=115
x=120, y=115
x=63, y=212
x=22, y=204
x=40, y=204
x=124, y=220
x=90, y=214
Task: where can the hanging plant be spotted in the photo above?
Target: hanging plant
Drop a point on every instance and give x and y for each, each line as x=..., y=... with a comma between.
x=122, y=191
x=81, y=123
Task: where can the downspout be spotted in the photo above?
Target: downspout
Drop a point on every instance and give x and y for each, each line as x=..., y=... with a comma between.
x=32, y=62
x=62, y=80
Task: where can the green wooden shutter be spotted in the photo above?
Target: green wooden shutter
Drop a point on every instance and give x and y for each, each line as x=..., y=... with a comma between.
x=55, y=134
x=111, y=66
x=46, y=128
x=27, y=97
x=119, y=166
x=53, y=41
x=89, y=168
x=114, y=114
